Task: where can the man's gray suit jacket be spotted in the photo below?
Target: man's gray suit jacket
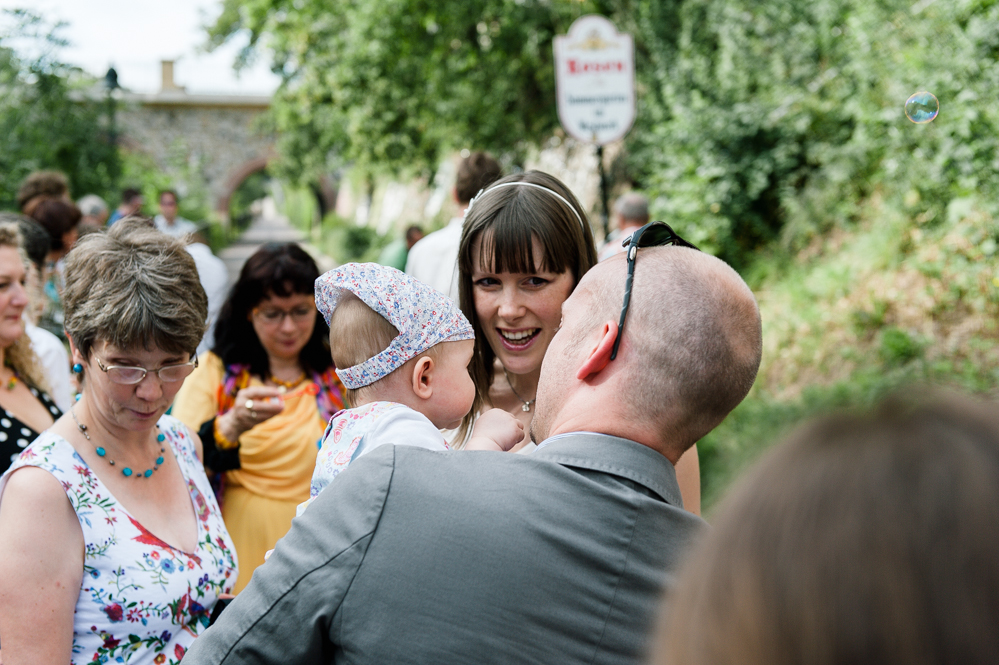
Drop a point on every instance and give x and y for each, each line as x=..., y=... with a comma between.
x=413, y=556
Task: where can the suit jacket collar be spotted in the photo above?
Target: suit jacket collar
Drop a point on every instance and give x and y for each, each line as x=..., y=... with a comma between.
x=617, y=456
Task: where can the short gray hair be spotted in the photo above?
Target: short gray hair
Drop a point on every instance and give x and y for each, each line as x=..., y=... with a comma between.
x=133, y=286
x=92, y=205
x=632, y=206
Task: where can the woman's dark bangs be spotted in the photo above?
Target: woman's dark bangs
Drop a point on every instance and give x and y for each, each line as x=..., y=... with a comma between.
x=288, y=278
x=559, y=250
x=506, y=245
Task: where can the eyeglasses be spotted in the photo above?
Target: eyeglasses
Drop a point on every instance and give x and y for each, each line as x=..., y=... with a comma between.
x=131, y=375
x=653, y=234
x=275, y=317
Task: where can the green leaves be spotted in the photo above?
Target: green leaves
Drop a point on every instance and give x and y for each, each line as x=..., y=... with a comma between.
x=785, y=115
x=45, y=123
x=389, y=86
x=759, y=123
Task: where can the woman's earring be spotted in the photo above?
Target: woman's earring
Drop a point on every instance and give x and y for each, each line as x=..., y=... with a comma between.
x=77, y=368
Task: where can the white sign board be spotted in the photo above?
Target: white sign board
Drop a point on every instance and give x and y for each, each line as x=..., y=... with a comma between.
x=595, y=78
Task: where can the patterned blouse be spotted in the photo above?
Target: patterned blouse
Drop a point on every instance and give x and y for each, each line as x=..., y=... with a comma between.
x=142, y=600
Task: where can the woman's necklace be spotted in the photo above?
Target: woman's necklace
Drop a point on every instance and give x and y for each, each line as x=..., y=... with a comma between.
x=288, y=385
x=13, y=380
x=127, y=471
x=527, y=402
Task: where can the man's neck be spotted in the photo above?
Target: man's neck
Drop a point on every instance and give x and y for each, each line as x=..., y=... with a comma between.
x=587, y=412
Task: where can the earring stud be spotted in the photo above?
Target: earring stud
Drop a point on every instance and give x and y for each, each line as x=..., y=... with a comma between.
x=77, y=368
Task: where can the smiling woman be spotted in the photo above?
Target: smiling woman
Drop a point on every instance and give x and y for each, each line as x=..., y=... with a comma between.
x=25, y=407
x=524, y=247
x=261, y=398
x=113, y=544
x=525, y=244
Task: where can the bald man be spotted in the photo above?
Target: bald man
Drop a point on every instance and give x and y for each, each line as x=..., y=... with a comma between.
x=556, y=557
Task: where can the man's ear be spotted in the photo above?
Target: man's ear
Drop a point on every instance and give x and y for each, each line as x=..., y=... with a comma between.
x=600, y=354
x=422, y=377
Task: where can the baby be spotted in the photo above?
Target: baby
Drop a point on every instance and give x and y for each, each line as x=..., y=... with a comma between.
x=402, y=350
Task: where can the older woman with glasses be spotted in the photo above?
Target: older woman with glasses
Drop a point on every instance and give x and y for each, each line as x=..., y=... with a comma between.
x=261, y=398
x=112, y=545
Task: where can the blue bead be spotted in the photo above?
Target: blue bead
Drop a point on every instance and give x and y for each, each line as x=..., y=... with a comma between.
x=126, y=472
x=160, y=437
x=148, y=473
x=101, y=452
x=159, y=460
x=77, y=368
x=78, y=396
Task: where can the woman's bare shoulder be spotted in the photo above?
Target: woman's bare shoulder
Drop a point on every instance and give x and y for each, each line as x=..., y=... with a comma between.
x=36, y=513
x=35, y=487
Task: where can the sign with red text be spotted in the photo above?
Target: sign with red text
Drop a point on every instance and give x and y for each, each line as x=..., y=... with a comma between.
x=595, y=79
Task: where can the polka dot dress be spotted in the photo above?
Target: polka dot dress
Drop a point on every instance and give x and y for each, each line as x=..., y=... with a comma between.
x=15, y=435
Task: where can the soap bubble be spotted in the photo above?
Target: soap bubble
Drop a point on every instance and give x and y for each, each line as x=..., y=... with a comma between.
x=922, y=107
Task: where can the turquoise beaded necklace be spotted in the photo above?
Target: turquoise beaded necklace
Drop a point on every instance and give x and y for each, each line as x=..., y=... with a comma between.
x=102, y=453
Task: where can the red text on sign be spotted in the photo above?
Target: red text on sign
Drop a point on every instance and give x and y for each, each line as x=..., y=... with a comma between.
x=581, y=67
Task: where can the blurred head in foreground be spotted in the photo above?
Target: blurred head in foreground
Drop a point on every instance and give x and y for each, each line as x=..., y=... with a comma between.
x=863, y=539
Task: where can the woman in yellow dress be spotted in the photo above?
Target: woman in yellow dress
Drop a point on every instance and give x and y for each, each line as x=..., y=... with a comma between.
x=260, y=399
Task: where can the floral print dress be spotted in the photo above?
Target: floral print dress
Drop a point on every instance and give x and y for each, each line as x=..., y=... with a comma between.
x=142, y=600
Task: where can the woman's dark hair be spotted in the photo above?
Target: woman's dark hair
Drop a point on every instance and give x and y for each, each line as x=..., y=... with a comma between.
x=57, y=217
x=865, y=538
x=508, y=220
x=282, y=270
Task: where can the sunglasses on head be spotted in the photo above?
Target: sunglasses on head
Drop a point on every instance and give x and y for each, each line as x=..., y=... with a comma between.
x=653, y=234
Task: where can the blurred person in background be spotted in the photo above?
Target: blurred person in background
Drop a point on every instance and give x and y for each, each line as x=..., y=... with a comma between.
x=112, y=543
x=395, y=253
x=131, y=204
x=214, y=278
x=864, y=539
x=261, y=398
x=631, y=212
x=95, y=213
x=42, y=185
x=48, y=347
x=25, y=406
x=434, y=259
x=61, y=220
x=168, y=221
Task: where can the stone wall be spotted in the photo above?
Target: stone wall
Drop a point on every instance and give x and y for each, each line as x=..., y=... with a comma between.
x=218, y=136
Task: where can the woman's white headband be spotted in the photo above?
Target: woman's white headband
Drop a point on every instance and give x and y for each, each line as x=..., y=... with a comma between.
x=561, y=198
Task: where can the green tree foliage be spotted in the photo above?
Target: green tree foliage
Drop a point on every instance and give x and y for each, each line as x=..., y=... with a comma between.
x=45, y=120
x=760, y=121
x=765, y=121
x=388, y=85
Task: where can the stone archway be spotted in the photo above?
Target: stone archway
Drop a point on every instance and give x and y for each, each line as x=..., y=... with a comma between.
x=234, y=179
x=325, y=189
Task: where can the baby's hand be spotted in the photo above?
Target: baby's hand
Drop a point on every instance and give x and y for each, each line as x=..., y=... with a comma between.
x=495, y=429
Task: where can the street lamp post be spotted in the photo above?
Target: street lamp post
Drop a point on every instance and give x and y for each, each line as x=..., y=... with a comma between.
x=110, y=84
